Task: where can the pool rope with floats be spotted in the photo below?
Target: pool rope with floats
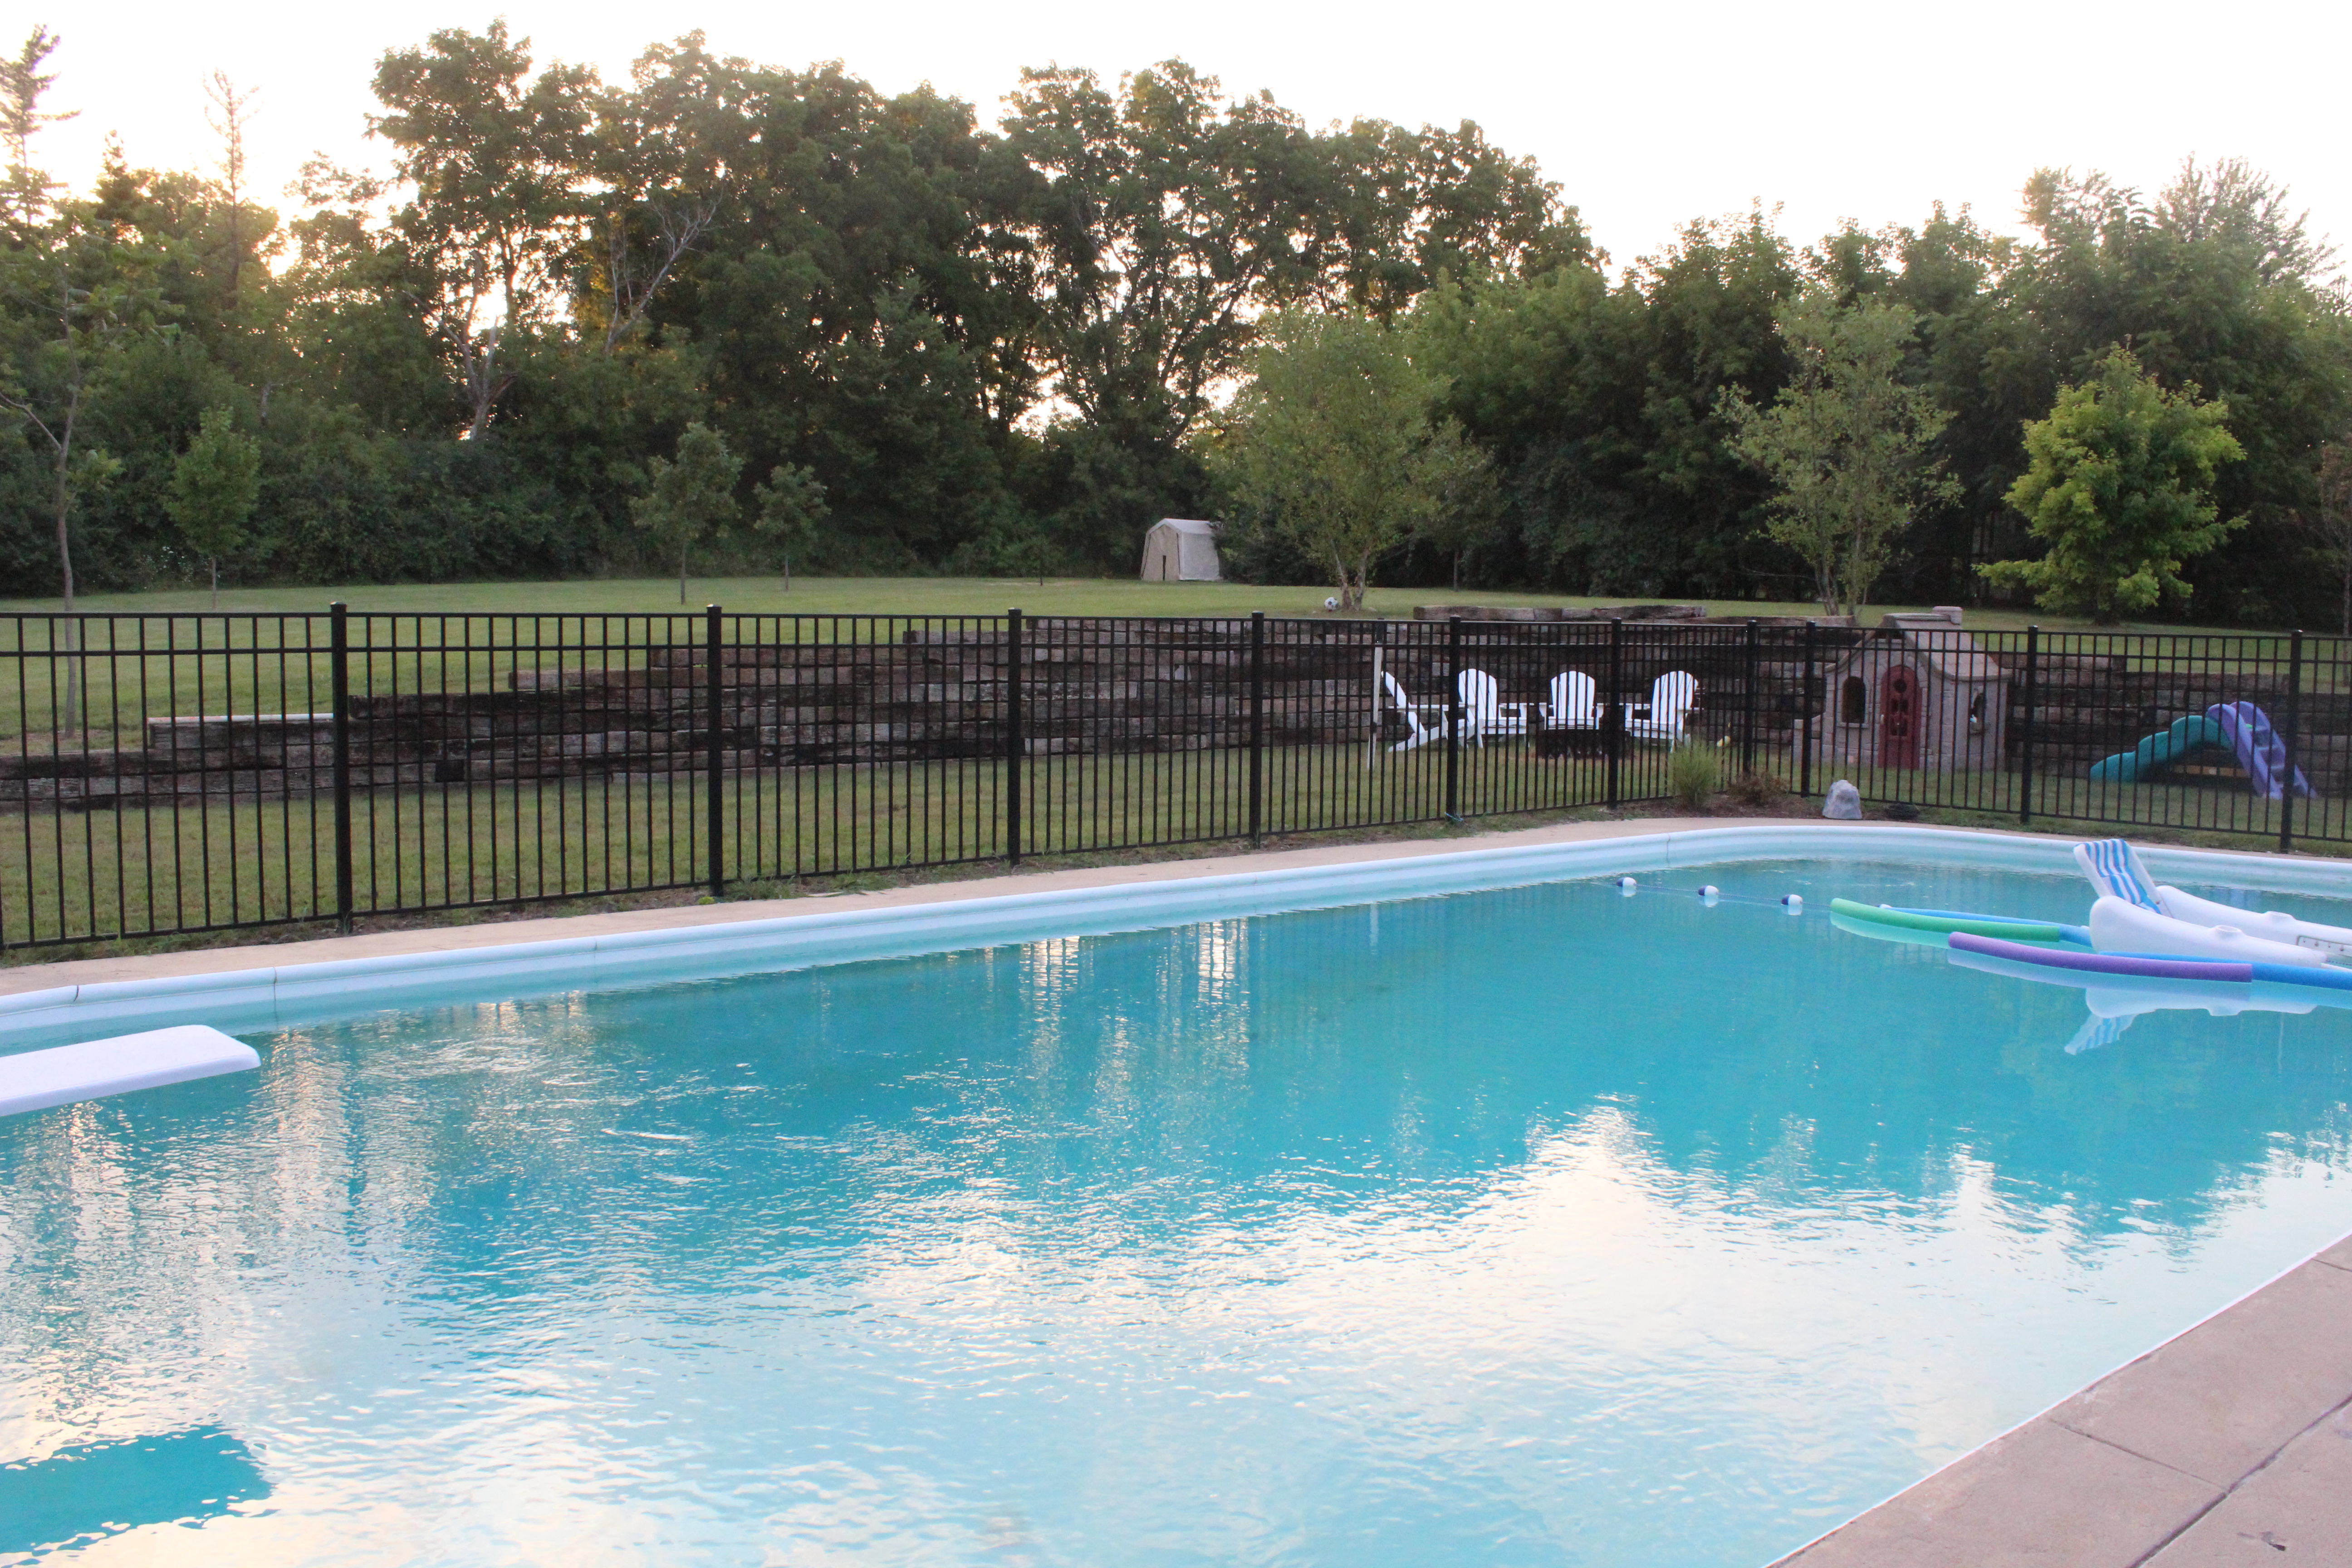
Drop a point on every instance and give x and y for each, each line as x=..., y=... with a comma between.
x=1707, y=893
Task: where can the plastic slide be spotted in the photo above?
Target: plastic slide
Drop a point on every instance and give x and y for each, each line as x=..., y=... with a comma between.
x=2160, y=749
x=2245, y=729
x=2260, y=750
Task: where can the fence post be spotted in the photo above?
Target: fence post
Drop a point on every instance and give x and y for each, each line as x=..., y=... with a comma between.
x=1805, y=720
x=1613, y=713
x=339, y=667
x=1454, y=717
x=715, y=745
x=1747, y=723
x=2289, y=736
x=2025, y=744
x=1012, y=743
x=1257, y=725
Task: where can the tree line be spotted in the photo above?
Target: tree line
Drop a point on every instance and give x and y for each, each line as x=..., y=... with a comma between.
x=721, y=313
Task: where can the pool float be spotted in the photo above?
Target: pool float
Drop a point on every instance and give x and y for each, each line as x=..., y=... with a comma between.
x=2115, y=870
x=2112, y=1003
x=2133, y=914
x=2120, y=927
x=2256, y=979
x=1930, y=927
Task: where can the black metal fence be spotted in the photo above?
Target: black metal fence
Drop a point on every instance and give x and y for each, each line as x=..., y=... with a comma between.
x=182, y=773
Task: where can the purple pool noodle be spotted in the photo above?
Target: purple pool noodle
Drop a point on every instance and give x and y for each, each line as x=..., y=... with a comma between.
x=2106, y=963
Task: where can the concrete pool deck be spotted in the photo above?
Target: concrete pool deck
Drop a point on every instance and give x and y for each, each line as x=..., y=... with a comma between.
x=2230, y=1443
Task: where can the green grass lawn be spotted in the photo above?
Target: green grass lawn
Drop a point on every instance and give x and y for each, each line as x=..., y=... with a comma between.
x=930, y=596
x=214, y=862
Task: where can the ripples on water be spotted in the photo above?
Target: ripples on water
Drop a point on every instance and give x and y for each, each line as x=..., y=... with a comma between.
x=1534, y=1226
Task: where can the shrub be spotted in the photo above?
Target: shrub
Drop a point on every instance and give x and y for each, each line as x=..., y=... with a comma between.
x=1694, y=771
x=1756, y=790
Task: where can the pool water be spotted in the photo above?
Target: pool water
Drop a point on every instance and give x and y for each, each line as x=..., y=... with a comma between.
x=1543, y=1225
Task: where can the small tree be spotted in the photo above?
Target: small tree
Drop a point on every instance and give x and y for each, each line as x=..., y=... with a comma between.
x=1332, y=442
x=791, y=503
x=2120, y=483
x=692, y=500
x=213, y=487
x=1845, y=443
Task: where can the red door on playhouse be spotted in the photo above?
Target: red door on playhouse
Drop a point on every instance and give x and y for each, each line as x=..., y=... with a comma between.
x=1899, y=718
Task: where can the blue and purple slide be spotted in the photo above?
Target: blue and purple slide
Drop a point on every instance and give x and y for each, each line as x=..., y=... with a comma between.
x=2242, y=727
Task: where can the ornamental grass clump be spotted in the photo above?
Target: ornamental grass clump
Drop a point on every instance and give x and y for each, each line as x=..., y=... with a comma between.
x=1694, y=772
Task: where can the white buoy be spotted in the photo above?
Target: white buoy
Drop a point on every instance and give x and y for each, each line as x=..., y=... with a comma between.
x=1626, y=885
x=1710, y=893
x=1793, y=902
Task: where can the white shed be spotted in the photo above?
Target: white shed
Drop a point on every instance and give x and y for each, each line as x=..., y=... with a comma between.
x=1180, y=550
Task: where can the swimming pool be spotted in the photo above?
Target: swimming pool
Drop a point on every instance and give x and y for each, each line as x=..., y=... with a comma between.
x=1531, y=1225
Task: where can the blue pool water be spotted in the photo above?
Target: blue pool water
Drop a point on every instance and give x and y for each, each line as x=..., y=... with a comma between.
x=1534, y=1226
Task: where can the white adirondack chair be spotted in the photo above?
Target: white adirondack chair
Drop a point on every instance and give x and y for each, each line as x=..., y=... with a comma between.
x=1418, y=731
x=1575, y=702
x=1672, y=695
x=1484, y=711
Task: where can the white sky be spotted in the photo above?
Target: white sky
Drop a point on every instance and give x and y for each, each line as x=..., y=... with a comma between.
x=1645, y=115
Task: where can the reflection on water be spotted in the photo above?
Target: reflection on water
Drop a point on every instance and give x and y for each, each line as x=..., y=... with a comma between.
x=85, y=1492
x=1537, y=1227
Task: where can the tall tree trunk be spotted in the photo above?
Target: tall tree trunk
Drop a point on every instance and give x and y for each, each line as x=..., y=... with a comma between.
x=681, y=576
x=71, y=628
x=216, y=561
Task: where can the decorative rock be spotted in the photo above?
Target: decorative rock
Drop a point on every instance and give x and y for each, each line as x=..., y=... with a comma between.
x=1845, y=803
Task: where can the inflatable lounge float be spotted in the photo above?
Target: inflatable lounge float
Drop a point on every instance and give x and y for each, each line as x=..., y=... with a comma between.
x=1930, y=927
x=2115, y=870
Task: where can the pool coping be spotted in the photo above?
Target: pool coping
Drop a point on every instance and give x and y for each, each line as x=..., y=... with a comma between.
x=311, y=981
x=2173, y=1460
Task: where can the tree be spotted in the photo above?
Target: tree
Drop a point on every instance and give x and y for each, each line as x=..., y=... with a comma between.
x=495, y=157
x=2119, y=484
x=1845, y=443
x=2213, y=282
x=791, y=503
x=692, y=500
x=25, y=190
x=658, y=155
x=230, y=115
x=1331, y=444
x=2333, y=516
x=73, y=291
x=213, y=487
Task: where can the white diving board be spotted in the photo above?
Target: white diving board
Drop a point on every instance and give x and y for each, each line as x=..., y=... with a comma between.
x=34, y=1081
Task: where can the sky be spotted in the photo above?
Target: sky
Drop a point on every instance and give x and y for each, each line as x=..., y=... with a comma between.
x=1647, y=116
